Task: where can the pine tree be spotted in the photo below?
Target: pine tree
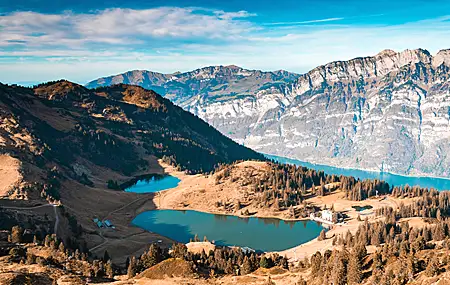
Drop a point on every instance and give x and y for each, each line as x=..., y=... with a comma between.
x=354, y=270
x=179, y=250
x=16, y=234
x=152, y=257
x=109, y=269
x=432, y=267
x=106, y=256
x=61, y=247
x=339, y=271
x=246, y=266
x=316, y=264
x=229, y=269
x=284, y=263
x=132, y=267
x=360, y=251
x=35, y=240
x=263, y=262
x=322, y=236
x=411, y=266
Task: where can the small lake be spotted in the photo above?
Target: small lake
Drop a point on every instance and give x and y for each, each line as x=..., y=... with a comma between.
x=154, y=184
x=392, y=179
x=256, y=233
x=362, y=208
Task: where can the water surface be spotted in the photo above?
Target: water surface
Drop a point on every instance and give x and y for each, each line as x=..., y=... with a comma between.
x=154, y=184
x=362, y=208
x=256, y=233
x=392, y=179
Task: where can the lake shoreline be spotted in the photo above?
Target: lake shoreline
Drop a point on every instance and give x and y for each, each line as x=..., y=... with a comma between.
x=372, y=170
x=333, y=167
x=229, y=230
x=200, y=193
x=238, y=216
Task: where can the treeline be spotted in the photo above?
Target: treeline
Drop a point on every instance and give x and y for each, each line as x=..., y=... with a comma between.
x=222, y=260
x=60, y=256
x=283, y=186
x=358, y=190
x=430, y=203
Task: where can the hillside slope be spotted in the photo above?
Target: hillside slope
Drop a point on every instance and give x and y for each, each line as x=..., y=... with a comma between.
x=61, y=143
x=114, y=127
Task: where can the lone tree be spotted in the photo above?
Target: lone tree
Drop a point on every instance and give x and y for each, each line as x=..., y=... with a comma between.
x=106, y=256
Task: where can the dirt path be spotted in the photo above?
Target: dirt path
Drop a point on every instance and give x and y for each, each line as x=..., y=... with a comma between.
x=55, y=228
x=127, y=205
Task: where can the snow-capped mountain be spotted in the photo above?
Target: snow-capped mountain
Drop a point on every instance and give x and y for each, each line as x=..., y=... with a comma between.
x=388, y=112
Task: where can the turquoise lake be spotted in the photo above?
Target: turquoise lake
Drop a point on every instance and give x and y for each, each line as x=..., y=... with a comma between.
x=256, y=233
x=392, y=179
x=155, y=184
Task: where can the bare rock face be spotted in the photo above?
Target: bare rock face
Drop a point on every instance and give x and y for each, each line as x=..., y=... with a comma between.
x=387, y=112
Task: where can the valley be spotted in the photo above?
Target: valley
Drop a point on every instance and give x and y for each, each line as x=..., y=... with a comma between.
x=75, y=204
x=202, y=142
x=203, y=193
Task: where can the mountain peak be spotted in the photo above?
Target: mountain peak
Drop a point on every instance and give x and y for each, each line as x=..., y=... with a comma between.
x=405, y=56
x=61, y=90
x=442, y=57
x=133, y=94
x=386, y=52
x=232, y=66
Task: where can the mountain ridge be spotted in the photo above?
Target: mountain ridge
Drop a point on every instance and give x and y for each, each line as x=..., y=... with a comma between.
x=328, y=114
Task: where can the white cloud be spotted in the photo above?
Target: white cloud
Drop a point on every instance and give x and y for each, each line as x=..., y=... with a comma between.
x=305, y=22
x=119, y=26
x=82, y=47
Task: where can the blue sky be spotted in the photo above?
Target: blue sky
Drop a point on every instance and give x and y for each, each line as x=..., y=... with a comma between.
x=47, y=40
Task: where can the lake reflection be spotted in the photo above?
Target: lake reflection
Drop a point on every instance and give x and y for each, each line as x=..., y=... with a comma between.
x=256, y=233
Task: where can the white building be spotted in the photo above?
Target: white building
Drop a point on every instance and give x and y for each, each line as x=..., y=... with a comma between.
x=327, y=215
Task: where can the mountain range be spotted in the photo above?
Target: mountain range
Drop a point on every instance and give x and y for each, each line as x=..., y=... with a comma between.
x=388, y=112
